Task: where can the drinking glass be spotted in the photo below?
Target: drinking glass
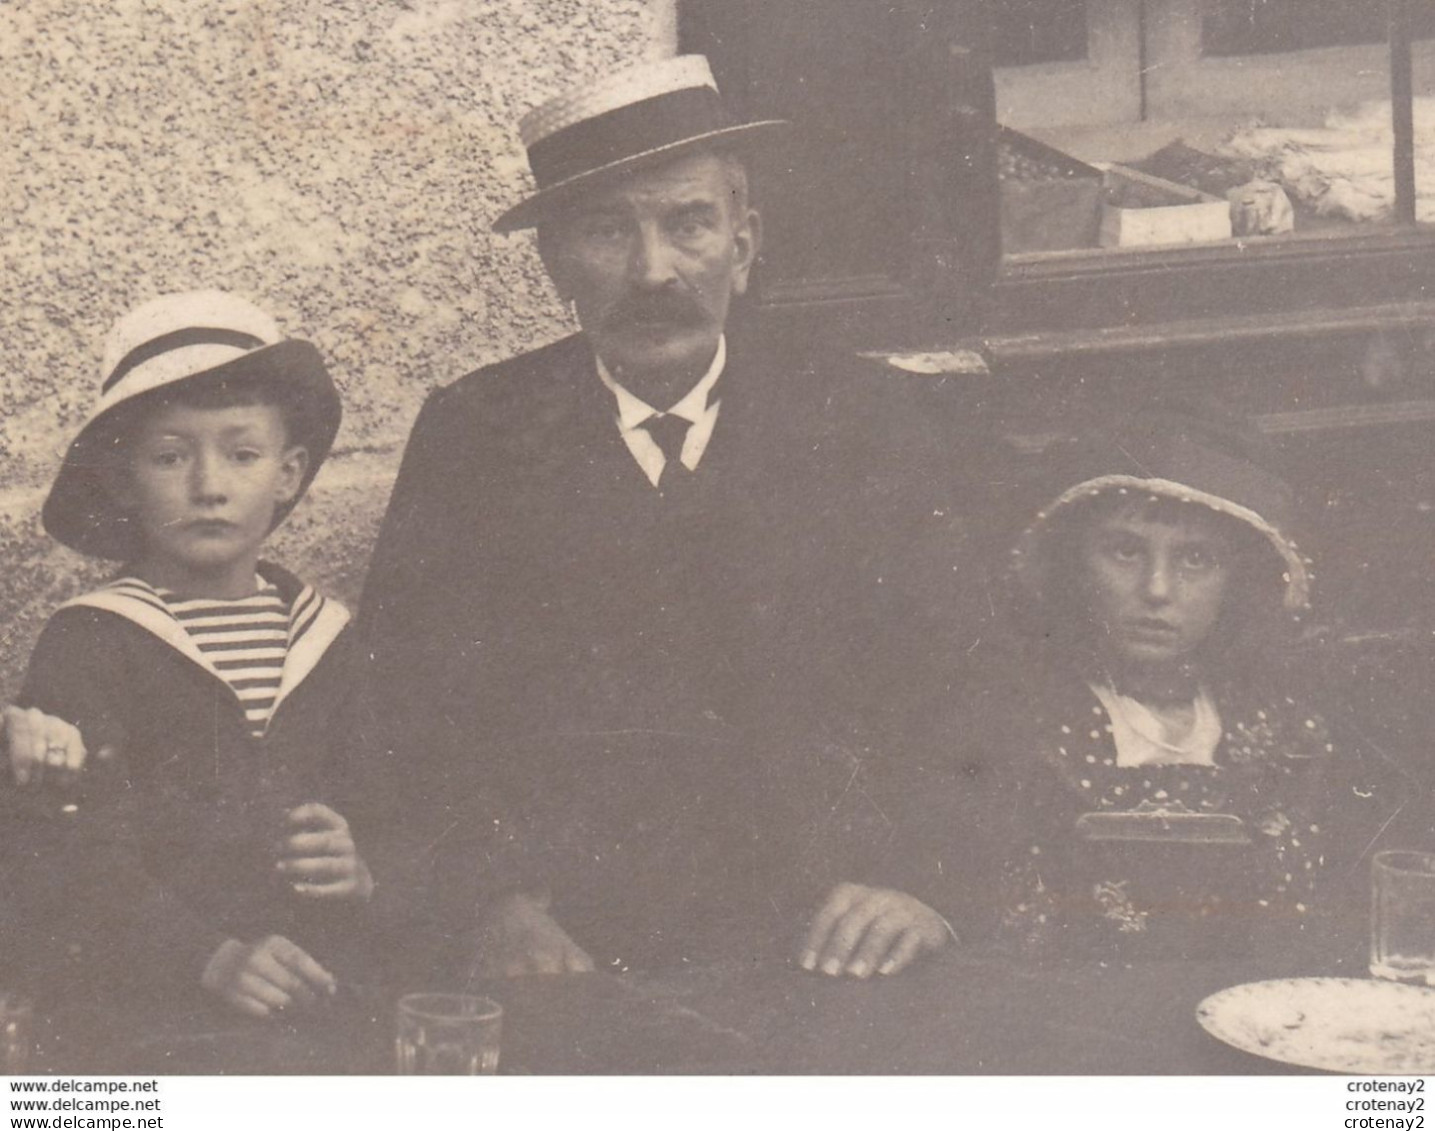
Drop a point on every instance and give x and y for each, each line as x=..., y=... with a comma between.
x=1402, y=919
x=17, y=1033
x=448, y=1035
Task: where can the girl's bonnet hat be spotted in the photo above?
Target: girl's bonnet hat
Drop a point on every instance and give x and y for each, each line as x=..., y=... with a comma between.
x=174, y=340
x=1208, y=458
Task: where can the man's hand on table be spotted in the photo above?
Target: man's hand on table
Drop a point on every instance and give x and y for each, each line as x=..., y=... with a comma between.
x=864, y=930
x=266, y=977
x=519, y=937
x=42, y=748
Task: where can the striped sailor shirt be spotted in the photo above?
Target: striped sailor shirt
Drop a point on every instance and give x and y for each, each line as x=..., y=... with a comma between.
x=244, y=641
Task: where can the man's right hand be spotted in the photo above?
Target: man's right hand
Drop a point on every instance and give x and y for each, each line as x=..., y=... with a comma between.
x=861, y=931
x=269, y=976
x=519, y=937
x=41, y=747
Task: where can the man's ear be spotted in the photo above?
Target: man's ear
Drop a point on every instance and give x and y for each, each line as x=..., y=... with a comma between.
x=292, y=466
x=747, y=241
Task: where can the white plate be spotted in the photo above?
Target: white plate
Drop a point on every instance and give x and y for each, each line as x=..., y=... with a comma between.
x=1339, y=1024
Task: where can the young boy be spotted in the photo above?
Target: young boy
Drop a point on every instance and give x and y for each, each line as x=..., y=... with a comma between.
x=202, y=851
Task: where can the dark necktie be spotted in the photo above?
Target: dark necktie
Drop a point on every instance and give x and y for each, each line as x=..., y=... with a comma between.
x=668, y=432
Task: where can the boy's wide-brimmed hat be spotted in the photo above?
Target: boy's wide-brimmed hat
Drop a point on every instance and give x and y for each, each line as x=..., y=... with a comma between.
x=1196, y=454
x=174, y=340
x=648, y=112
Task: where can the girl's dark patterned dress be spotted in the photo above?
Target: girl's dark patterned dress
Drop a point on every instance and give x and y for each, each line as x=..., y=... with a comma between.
x=1010, y=833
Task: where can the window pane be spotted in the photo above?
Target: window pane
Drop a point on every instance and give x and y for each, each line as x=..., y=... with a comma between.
x=1248, y=27
x=1250, y=120
x=1038, y=31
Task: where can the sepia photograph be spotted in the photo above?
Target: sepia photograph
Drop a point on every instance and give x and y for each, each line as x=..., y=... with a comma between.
x=705, y=538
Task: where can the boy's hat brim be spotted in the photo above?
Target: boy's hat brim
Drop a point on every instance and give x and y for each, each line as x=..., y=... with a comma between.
x=643, y=115
x=80, y=510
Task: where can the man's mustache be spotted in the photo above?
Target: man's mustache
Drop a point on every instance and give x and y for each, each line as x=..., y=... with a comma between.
x=668, y=308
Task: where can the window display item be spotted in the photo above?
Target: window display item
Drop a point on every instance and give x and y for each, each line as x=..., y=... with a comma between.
x=1139, y=210
x=1050, y=201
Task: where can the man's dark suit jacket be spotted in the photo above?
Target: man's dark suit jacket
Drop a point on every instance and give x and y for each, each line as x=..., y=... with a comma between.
x=640, y=702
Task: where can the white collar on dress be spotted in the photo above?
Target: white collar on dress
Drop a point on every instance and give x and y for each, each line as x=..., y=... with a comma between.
x=1142, y=737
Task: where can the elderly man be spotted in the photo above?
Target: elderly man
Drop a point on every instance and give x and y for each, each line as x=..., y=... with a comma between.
x=611, y=598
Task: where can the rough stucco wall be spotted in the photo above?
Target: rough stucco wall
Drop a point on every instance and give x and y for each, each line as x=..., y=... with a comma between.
x=336, y=161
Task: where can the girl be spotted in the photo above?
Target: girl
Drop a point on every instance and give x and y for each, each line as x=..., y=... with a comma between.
x=1133, y=774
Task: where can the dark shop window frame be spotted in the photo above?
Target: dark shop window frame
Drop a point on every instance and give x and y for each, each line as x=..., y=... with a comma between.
x=943, y=278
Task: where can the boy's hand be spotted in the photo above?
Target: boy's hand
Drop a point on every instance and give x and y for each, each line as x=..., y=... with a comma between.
x=266, y=977
x=319, y=856
x=861, y=929
x=519, y=937
x=41, y=747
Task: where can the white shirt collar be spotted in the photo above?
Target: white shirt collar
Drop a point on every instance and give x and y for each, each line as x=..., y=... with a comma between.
x=633, y=410
x=698, y=406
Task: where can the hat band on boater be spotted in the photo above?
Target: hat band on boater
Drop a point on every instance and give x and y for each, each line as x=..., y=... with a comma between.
x=640, y=127
x=179, y=339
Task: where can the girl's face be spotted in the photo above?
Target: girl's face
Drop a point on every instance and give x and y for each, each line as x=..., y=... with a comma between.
x=1155, y=582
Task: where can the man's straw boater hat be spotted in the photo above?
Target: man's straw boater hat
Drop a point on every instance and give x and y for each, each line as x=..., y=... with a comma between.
x=648, y=112
x=181, y=340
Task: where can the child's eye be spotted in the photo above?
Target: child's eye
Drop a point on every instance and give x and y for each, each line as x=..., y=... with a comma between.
x=246, y=455
x=1124, y=551
x=166, y=459
x=1198, y=560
